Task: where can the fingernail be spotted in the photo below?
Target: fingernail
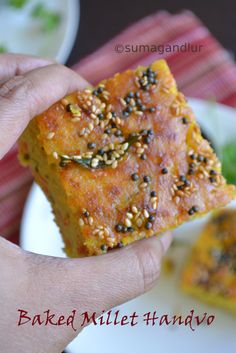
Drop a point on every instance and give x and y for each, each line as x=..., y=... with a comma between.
x=166, y=240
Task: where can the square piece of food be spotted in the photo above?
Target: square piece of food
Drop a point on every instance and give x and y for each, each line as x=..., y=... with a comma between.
x=123, y=161
x=210, y=273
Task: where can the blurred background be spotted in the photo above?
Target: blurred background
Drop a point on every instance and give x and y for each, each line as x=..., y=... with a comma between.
x=101, y=20
x=44, y=27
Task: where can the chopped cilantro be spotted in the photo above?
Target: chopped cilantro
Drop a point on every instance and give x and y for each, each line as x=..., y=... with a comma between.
x=50, y=19
x=17, y=3
x=3, y=49
x=229, y=162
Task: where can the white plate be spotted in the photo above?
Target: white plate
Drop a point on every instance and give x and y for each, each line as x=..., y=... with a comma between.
x=39, y=234
x=21, y=33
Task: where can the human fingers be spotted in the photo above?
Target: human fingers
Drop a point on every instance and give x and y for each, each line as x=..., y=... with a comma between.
x=24, y=96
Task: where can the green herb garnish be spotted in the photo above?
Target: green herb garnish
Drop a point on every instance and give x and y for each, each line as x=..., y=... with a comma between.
x=229, y=162
x=95, y=163
x=18, y=4
x=49, y=19
x=3, y=49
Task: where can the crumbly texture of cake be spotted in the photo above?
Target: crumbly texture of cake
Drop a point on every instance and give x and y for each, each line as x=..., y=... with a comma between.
x=123, y=161
x=210, y=273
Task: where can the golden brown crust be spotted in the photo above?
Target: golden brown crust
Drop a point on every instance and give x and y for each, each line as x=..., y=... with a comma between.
x=210, y=273
x=128, y=158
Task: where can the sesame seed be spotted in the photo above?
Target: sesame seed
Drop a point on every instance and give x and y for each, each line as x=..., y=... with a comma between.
x=93, y=108
x=106, y=231
x=120, y=245
x=140, y=150
x=177, y=199
x=164, y=171
x=125, y=146
x=191, y=171
x=146, y=214
x=152, y=109
x=153, y=194
x=116, y=155
x=192, y=165
x=86, y=213
x=146, y=179
x=101, y=116
x=134, y=209
x=180, y=187
x=143, y=185
x=139, y=222
x=151, y=218
x=101, y=234
x=129, y=109
x=154, y=205
x=90, y=220
x=81, y=222
x=200, y=158
x=124, y=230
x=147, y=139
x=191, y=212
x=139, y=113
x=118, y=133
x=75, y=119
x=142, y=107
x=182, y=178
x=143, y=157
x=123, y=102
x=90, y=126
x=114, y=165
x=91, y=145
x=64, y=101
x=212, y=180
x=193, y=156
x=119, y=227
x=129, y=215
x=125, y=113
x=107, y=131
x=148, y=225
x=131, y=94
x=100, y=89
x=134, y=177
x=128, y=222
x=184, y=120
x=50, y=135
x=104, y=247
x=55, y=155
x=130, y=229
x=195, y=209
x=94, y=162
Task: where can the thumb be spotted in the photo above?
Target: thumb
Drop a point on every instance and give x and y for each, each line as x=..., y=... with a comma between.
x=121, y=275
x=90, y=285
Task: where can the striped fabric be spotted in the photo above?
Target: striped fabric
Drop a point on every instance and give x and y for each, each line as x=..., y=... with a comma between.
x=209, y=74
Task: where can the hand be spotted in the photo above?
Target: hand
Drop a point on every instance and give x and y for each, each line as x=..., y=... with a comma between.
x=37, y=283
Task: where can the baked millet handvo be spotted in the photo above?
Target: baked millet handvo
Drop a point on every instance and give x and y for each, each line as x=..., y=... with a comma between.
x=123, y=161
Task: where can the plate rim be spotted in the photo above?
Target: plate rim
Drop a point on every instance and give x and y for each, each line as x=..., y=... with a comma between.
x=71, y=32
